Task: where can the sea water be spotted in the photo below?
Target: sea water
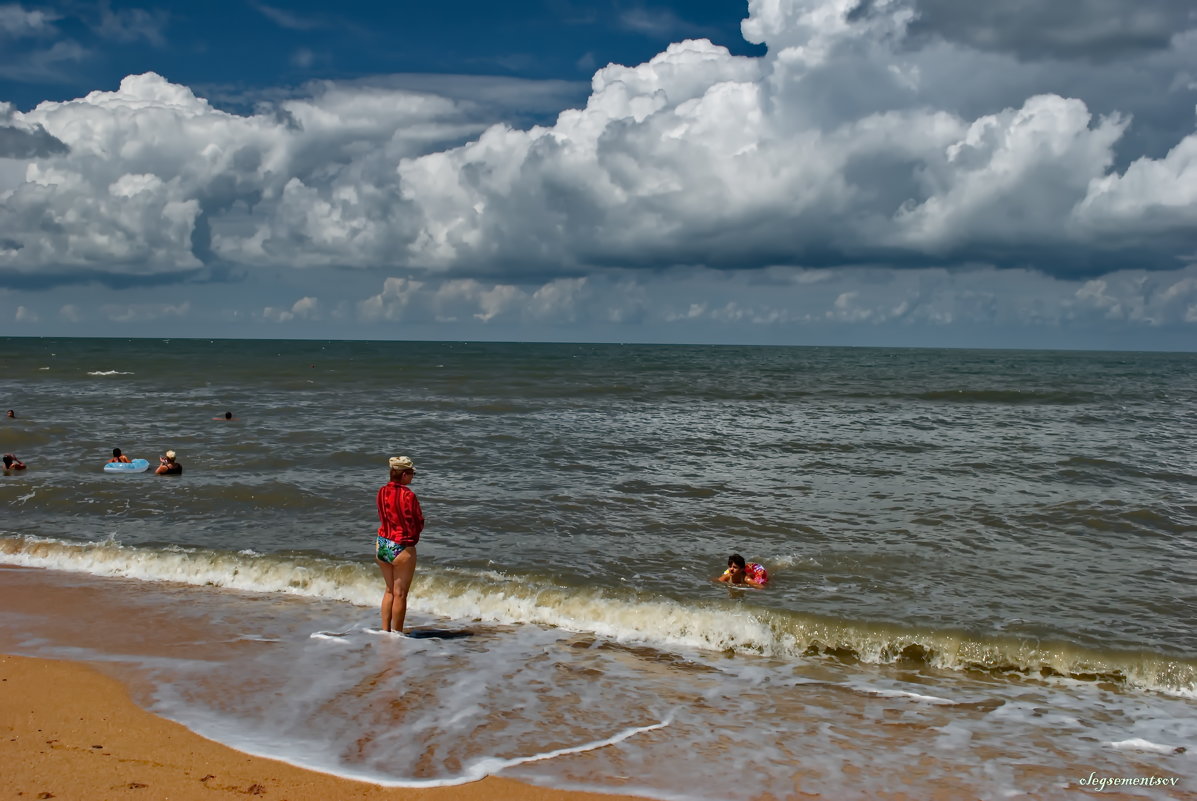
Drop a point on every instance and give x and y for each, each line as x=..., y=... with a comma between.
x=981, y=562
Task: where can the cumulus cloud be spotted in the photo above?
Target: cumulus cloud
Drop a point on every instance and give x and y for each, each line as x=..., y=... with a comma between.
x=1139, y=298
x=306, y=308
x=849, y=145
x=153, y=180
x=788, y=299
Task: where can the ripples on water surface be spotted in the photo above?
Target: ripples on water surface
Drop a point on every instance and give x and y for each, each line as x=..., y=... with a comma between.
x=1004, y=511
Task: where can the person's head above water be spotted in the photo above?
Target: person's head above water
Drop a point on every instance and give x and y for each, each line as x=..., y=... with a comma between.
x=11, y=413
x=228, y=415
x=116, y=453
x=736, y=568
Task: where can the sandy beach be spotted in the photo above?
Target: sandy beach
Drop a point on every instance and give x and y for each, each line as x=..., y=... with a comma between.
x=69, y=732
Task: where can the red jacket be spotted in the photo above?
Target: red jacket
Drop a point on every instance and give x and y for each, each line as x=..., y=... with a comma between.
x=399, y=515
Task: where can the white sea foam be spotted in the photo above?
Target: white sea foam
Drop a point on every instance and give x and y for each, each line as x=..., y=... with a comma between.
x=485, y=767
x=313, y=578
x=886, y=693
x=633, y=620
x=475, y=771
x=1139, y=744
x=108, y=372
x=783, y=561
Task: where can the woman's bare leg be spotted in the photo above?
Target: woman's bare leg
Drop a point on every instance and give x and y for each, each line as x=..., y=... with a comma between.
x=403, y=569
x=388, y=577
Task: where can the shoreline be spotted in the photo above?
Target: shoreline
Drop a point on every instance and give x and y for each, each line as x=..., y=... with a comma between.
x=75, y=720
x=71, y=732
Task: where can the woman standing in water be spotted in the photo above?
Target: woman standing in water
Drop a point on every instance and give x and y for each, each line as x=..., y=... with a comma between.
x=400, y=522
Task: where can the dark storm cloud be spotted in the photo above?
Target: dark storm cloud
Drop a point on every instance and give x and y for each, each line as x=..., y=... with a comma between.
x=19, y=143
x=52, y=278
x=1094, y=30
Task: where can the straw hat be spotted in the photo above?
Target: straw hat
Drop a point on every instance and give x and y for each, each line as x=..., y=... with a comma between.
x=401, y=463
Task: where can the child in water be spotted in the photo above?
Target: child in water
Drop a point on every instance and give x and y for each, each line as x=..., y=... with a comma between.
x=739, y=572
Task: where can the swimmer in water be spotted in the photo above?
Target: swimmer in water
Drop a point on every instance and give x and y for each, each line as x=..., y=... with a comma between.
x=740, y=572
x=167, y=466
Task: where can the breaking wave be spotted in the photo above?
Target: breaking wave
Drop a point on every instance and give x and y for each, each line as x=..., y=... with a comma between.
x=622, y=616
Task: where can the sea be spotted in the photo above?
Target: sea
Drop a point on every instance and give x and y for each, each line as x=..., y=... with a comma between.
x=983, y=563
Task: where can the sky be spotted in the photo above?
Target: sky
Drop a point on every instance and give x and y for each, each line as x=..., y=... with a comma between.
x=792, y=172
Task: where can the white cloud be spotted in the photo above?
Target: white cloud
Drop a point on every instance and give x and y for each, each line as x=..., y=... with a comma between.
x=1152, y=299
x=71, y=313
x=390, y=303
x=846, y=146
x=146, y=162
x=26, y=315
x=791, y=299
x=1152, y=197
x=306, y=308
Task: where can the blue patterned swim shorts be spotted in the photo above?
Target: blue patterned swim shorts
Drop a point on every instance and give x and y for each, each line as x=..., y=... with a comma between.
x=389, y=549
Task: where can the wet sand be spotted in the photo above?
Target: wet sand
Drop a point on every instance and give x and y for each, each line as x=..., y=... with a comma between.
x=68, y=732
x=75, y=729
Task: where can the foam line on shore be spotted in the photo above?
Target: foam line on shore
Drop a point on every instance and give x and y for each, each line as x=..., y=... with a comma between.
x=620, y=616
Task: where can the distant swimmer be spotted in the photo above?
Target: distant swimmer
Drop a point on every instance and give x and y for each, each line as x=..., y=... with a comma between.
x=227, y=416
x=13, y=463
x=11, y=413
x=400, y=522
x=167, y=466
x=117, y=456
x=739, y=572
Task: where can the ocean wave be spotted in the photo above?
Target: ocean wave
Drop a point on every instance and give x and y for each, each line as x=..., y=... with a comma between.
x=108, y=372
x=621, y=616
